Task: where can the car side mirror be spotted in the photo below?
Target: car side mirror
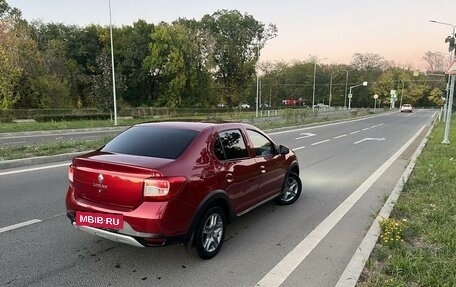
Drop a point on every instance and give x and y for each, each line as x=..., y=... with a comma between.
x=283, y=149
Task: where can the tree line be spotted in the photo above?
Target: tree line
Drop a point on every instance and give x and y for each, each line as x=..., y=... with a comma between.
x=186, y=63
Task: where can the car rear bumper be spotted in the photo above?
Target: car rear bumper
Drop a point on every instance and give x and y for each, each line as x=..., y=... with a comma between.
x=129, y=236
x=150, y=224
x=116, y=237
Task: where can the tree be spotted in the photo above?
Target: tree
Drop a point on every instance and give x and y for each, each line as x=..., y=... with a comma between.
x=415, y=90
x=436, y=96
x=8, y=12
x=100, y=90
x=236, y=39
x=131, y=49
x=435, y=62
x=10, y=71
x=368, y=62
x=175, y=59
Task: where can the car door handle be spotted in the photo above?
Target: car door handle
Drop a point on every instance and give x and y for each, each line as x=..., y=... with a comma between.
x=229, y=177
x=263, y=170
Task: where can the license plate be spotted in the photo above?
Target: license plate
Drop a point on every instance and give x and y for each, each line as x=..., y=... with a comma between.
x=102, y=220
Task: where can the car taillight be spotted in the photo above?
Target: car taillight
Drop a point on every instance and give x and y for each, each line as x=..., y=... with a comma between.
x=162, y=188
x=70, y=173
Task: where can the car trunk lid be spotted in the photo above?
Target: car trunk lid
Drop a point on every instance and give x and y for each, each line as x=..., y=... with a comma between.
x=113, y=181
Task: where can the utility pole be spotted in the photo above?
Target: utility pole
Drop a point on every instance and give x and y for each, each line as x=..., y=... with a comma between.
x=451, y=72
x=330, y=89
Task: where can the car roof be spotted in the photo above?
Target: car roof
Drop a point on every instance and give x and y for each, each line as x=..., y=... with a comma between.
x=198, y=126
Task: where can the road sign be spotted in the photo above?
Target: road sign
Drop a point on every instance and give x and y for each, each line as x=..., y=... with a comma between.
x=393, y=95
x=375, y=96
x=350, y=96
x=452, y=69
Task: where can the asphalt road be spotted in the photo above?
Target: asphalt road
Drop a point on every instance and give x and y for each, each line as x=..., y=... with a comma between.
x=347, y=169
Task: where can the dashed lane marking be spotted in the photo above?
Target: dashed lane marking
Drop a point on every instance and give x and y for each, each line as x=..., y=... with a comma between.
x=320, y=142
x=341, y=136
x=298, y=148
x=19, y=225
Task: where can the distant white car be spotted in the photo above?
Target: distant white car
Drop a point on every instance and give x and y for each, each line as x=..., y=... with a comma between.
x=245, y=106
x=321, y=106
x=406, y=108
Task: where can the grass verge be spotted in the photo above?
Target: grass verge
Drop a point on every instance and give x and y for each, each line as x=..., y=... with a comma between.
x=44, y=126
x=59, y=147
x=84, y=124
x=425, y=214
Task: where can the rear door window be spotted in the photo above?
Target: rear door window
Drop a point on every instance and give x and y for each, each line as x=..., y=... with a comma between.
x=150, y=141
x=230, y=145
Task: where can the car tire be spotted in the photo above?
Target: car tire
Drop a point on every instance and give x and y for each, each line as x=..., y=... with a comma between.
x=291, y=190
x=208, y=236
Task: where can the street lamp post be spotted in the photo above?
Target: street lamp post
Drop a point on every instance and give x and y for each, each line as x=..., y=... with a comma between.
x=350, y=94
x=313, y=91
x=258, y=75
x=346, y=87
x=375, y=102
x=449, y=95
x=330, y=89
x=402, y=94
x=258, y=82
x=112, y=64
x=449, y=108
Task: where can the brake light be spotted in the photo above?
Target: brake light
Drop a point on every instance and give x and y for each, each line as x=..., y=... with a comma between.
x=70, y=173
x=163, y=188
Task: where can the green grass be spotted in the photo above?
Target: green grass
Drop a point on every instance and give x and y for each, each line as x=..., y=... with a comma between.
x=59, y=147
x=427, y=205
x=62, y=125
x=43, y=126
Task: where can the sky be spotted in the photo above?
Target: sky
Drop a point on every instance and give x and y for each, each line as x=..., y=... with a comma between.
x=398, y=30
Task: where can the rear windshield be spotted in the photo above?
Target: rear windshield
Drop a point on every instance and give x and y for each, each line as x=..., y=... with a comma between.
x=151, y=141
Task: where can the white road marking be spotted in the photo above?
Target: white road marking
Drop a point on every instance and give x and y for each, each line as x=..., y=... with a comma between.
x=19, y=225
x=355, y=132
x=373, y=127
x=380, y=125
x=298, y=148
x=305, y=135
x=369, y=139
x=34, y=168
x=320, y=142
x=341, y=136
x=280, y=272
x=365, y=129
x=292, y=130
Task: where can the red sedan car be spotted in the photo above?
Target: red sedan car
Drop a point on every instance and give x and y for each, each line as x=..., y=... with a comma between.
x=178, y=182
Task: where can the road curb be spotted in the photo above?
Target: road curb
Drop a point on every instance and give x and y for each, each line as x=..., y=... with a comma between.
x=354, y=269
x=15, y=163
